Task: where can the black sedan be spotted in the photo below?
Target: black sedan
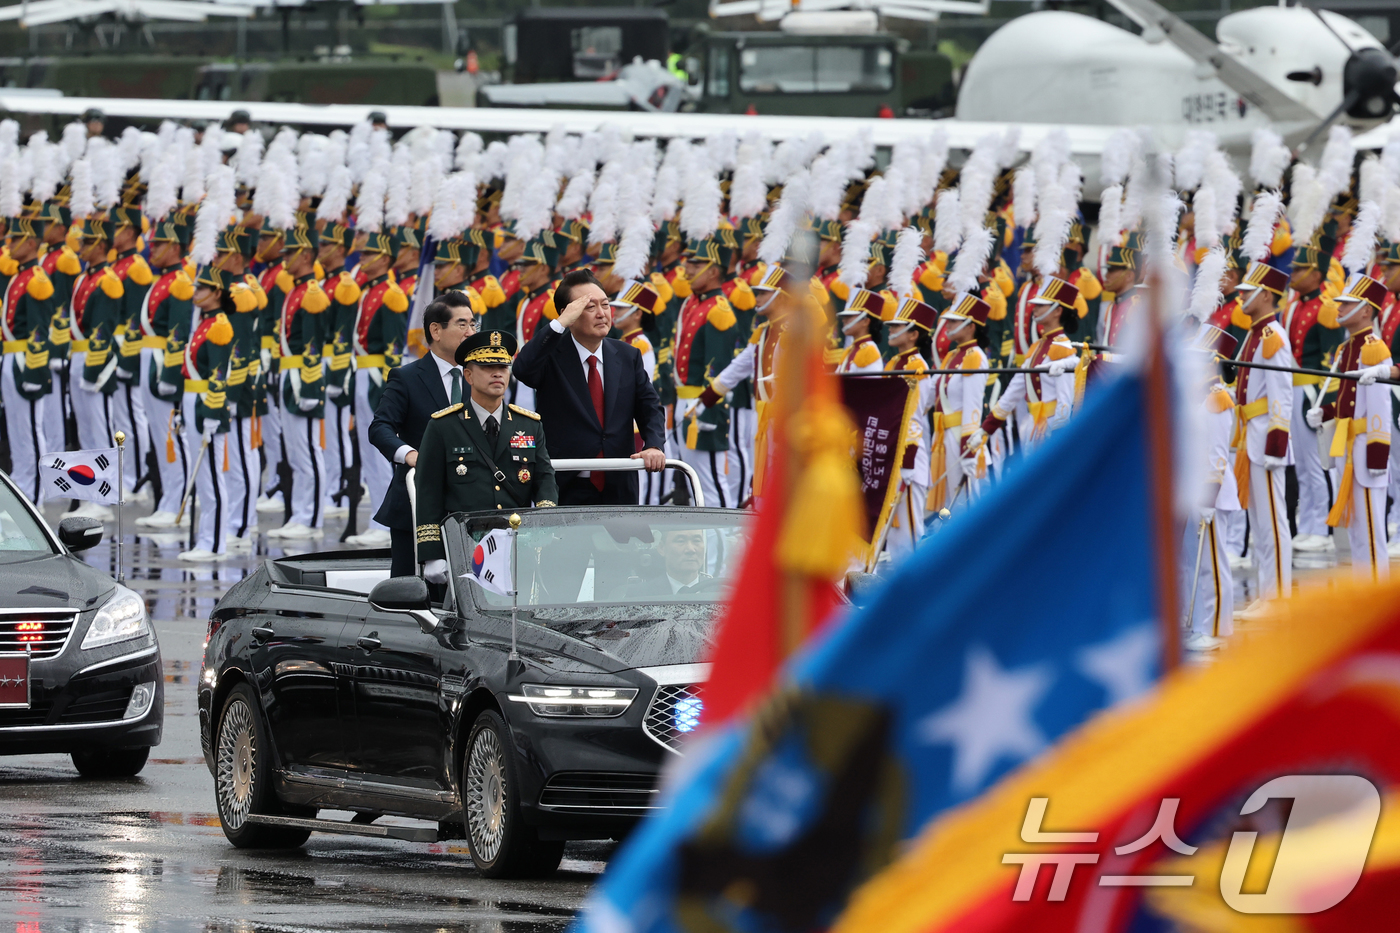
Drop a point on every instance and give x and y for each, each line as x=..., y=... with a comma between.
x=80, y=669
x=328, y=685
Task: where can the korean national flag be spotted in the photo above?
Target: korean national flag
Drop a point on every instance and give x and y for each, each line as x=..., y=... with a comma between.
x=491, y=563
x=82, y=474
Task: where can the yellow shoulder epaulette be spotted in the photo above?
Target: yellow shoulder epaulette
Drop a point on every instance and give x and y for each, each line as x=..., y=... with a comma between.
x=974, y=359
x=243, y=298
x=680, y=285
x=1060, y=351
x=111, y=284
x=1220, y=400
x=839, y=288
x=1374, y=351
x=521, y=411
x=68, y=262
x=643, y=345
x=39, y=287
x=819, y=291
x=867, y=355
x=1283, y=238
x=931, y=278
x=754, y=337
x=721, y=316
x=444, y=412
x=1238, y=317
x=318, y=270
x=663, y=287
x=478, y=303
x=742, y=296
x=997, y=301
x=139, y=272
x=1089, y=285
x=221, y=332
x=182, y=287
x=284, y=281
x=191, y=269
x=1004, y=279
x=1273, y=341
x=347, y=292
x=549, y=311
x=759, y=271
x=315, y=300
x=395, y=299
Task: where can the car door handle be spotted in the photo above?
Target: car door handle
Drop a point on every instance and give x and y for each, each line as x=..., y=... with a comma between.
x=369, y=644
x=261, y=634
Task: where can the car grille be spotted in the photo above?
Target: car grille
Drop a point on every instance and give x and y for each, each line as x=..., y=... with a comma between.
x=674, y=711
x=599, y=790
x=42, y=632
x=107, y=706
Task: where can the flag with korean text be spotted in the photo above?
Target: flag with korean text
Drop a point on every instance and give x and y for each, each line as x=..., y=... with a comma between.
x=82, y=474
x=1016, y=623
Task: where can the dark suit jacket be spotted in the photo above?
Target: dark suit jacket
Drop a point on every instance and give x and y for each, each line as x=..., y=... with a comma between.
x=414, y=391
x=549, y=363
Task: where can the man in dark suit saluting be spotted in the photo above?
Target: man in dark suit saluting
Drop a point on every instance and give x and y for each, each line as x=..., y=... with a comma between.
x=411, y=395
x=589, y=390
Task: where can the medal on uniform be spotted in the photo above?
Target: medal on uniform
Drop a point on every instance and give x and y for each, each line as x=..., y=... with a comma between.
x=461, y=469
x=524, y=475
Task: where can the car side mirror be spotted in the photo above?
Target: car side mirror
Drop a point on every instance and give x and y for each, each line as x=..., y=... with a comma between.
x=408, y=595
x=79, y=534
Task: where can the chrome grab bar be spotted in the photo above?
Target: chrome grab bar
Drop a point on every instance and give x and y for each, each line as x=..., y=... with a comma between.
x=624, y=464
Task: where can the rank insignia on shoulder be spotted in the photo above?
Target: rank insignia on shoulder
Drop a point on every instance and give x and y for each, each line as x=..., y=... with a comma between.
x=444, y=412
x=521, y=440
x=526, y=412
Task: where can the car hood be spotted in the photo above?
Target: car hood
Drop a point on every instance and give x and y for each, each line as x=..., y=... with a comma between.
x=617, y=638
x=52, y=581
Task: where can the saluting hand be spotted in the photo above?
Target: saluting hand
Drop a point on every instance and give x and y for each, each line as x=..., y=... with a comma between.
x=573, y=311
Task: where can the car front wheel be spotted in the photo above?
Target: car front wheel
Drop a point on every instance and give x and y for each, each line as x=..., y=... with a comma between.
x=501, y=845
x=243, y=777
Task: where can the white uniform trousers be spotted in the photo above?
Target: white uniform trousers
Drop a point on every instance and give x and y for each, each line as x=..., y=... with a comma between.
x=172, y=451
x=1367, y=532
x=713, y=466
x=375, y=471
x=1313, y=504
x=210, y=491
x=953, y=472
x=1394, y=517
x=241, y=480
x=1210, y=597
x=907, y=522
x=340, y=452
x=129, y=417
x=24, y=421
x=1234, y=524
x=301, y=438
x=653, y=487
x=271, y=428
x=1268, y=533
x=92, y=410
x=743, y=428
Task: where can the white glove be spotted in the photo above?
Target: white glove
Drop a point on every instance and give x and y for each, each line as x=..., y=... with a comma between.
x=165, y=388
x=333, y=390
x=1060, y=367
x=1377, y=474
x=307, y=404
x=1275, y=463
x=1207, y=514
x=435, y=571
x=1314, y=418
x=207, y=427
x=976, y=439
x=969, y=466
x=56, y=363
x=1369, y=374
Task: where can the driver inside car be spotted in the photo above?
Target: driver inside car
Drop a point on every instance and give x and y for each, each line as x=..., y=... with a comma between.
x=682, y=554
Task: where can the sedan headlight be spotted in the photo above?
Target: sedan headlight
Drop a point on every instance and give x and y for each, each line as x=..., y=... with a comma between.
x=121, y=618
x=591, y=702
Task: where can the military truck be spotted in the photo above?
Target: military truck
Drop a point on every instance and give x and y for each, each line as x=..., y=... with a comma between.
x=353, y=82
x=154, y=77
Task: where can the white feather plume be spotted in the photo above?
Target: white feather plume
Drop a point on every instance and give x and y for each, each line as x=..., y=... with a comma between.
x=10, y=198
x=106, y=175
x=162, y=196
x=1390, y=156
x=1268, y=158
x=524, y=160
x=830, y=175
x=424, y=180
x=73, y=142
x=1334, y=169
x=81, y=203
x=634, y=248
x=312, y=170
x=748, y=195
x=971, y=261
x=977, y=182
x=46, y=174
x=1190, y=161
x=1308, y=206
x=908, y=253
x=537, y=204
x=1008, y=147
x=129, y=149
x=1392, y=213
x=192, y=184
x=1119, y=151
x=1259, y=232
x=1205, y=291
x=1203, y=207
x=855, y=253
x=935, y=160
x=703, y=198
x=493, y=161
x=947, y=222
x=786, y=216
x=1023, y=196
x=336, y=196
x=1371, y=181
x=1360, y=250
x=213, y=215
x=369, y=204
x=1111, y=215
x=603, y=203
x=1056, y=216
x=469, y=149
x=574, y=201
x=396, y=203
x=247, y=161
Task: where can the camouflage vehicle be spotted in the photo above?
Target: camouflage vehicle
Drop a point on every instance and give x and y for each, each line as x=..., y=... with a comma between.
x=152, y=77
x=354, y=82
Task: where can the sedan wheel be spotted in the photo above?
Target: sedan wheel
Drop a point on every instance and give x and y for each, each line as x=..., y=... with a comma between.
x=501, y=845
x=243, y=777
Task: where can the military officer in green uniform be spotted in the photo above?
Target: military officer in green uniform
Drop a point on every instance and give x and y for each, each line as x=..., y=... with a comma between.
x=480, y=453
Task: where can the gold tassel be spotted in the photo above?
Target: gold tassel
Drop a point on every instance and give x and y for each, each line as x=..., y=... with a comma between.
x=170, y=439
x=225, y=455
x=1242, y=474
x=692, y=433
x=1081, y=378
x=1348, y=429
x=825, y=515
x=323, y=433
x=255, y=433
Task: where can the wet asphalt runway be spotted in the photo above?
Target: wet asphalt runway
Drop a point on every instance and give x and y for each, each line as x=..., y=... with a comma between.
x=147, y=854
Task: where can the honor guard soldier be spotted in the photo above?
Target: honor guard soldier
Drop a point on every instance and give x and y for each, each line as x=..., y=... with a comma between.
x=634, y=313
x=911, y=339
x=407, y=252
x=205, y=406
x=61, y=264
x=131, y=268
x=303, y=330
x=450, y=261
x=957, y=405
x=1310, y=318
x=95, y=312
x=476, y=258
x=703, y=347
x=479, y=454
x=166, y=313
x=1263, y=414
x=246, y=397
x=1361, y=419
x=335, y=240
x=275, y=283
x=1120, y=282
x=380, y=340
x=862, y=316
x=535, y=300
x=26, y=321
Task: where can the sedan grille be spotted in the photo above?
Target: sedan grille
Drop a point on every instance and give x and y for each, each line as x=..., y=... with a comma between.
x=599, y=790
x=41, y=632
x=674, y=711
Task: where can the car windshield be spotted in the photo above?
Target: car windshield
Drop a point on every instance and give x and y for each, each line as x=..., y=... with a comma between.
x=19, y=532
x=571, y=558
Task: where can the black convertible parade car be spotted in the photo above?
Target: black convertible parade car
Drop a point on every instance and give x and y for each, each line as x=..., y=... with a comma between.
x=80, y=668
x=326, y=684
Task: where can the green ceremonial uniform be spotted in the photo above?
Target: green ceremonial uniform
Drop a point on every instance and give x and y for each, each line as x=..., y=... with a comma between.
x=453, y=474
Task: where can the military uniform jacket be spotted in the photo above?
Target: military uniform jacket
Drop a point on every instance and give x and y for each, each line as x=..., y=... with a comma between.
x=1264, y=397
x=741, y=299
x=453, y=474
x=63, y=268
x=276, y=283
x=703, y=346
x=205, y=369
x=244, y=363
x=136, y=277
x=958, y=399
x=679, y=288
x=1361, y=436
x=303, y=329
x=94, y=316
x=25, y=318
x=341, y=319
x=862, y=356
x=637, y=339
x=1312, y=341
x=167, y=311
x=1049, y=399
x=534, y=307
x=757, y=361
x=381, y=332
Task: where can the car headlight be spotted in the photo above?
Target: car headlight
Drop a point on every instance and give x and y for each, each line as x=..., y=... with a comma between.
x=590, y=702
x=121, y=618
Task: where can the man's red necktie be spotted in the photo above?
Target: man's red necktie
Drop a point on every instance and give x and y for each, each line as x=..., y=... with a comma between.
x=595, y=389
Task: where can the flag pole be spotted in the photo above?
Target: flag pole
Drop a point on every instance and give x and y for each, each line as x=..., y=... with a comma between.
x=120, y=438
x=514, y=522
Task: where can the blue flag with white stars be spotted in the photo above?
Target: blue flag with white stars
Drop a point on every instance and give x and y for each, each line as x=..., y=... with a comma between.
x=1029, y=613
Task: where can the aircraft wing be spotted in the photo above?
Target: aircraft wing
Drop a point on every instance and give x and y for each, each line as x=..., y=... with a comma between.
x=1084, y=140
x=1236, y=75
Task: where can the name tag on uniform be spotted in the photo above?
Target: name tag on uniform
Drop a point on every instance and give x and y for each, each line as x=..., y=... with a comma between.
x=521, y=439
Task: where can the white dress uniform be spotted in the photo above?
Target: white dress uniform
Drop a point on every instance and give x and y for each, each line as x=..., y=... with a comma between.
x=957, y=414
x=1049, y=399
x=1264, y=412
x=756, y=362
x=1210, y=595
x=907, y=523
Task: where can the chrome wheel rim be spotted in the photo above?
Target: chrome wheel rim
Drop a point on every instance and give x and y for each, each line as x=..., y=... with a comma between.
x=486, y=796
x=236, y=762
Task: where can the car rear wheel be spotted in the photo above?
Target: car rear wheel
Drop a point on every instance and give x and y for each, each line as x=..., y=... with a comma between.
x=243, y=777
x=111, y=762
x=501, y=845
